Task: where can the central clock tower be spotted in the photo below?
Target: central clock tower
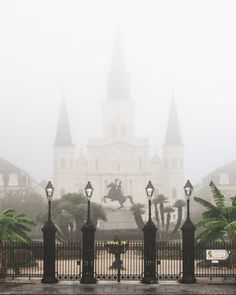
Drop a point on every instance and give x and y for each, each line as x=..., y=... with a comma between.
x=118, y=154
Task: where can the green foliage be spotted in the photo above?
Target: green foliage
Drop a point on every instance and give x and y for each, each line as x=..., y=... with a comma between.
x=69, y=214
x=219, y=220
x=163, y=213
x=13, y=226
x=163, y=216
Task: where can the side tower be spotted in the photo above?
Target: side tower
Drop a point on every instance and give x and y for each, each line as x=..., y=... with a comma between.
x=64, y=155
x=173, y=158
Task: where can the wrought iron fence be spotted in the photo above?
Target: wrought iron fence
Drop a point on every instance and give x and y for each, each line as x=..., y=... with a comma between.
x=26, y=260
x=68, y=261
x=21, y=259
x=169, y=264
x=216, y=259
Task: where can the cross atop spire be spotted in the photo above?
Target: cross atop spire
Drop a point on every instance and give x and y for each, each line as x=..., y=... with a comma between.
x=173, y=134
x=63, y=136
x=118, y=78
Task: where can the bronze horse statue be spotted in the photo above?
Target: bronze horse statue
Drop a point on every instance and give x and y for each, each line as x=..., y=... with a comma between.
x=115, y=194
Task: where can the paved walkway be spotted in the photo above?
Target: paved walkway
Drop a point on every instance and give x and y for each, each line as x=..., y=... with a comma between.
x=34, y=287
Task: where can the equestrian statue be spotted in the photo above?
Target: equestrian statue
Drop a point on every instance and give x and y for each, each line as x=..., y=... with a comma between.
x=115, y=193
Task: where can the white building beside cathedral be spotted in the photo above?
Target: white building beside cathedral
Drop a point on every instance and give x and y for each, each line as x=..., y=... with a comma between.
x=119, y=154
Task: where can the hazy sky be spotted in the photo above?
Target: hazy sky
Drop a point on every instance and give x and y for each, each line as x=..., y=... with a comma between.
x=188, y=46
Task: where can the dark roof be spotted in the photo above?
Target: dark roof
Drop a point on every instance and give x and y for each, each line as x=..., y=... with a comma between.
x=7, y=167
x=229, y=169
x=63, y=136
x=173, y=134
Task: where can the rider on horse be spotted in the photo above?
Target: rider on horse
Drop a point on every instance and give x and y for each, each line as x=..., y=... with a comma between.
x=116, y=193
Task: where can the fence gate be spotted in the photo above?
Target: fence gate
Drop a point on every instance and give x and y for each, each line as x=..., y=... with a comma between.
x=68, y=261
x=110, y=265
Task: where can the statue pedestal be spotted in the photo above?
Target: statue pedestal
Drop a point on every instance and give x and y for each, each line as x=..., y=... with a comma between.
x=118, y=219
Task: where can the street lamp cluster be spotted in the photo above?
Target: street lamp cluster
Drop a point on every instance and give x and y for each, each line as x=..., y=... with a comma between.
x=150, y=251
x=149, y=234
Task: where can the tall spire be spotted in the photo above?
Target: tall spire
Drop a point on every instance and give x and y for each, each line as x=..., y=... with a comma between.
x=63, y=136
x=118, y=78
x=173, y=134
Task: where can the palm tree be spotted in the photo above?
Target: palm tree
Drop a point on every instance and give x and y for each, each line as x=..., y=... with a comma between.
x=137, y=210
x=160, y=213
x=69, y=214
x=179, y=204
x=155, y=203
x=168, y=210
x=218, y=220
x=13, y=228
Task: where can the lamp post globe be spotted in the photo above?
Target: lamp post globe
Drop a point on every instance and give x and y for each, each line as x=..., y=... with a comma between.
x=149, y=235
x=188, y=230
x=88, y=231
x=188, y=189
x=49, y=240
x=149, y=191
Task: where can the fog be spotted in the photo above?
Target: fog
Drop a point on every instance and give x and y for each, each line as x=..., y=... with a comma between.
x=54, y=48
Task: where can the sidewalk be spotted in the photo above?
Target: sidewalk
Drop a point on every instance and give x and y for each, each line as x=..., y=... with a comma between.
x=34, y=287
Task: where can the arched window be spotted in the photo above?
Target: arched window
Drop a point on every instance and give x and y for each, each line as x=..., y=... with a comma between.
x=63, y=163
x=13, y=181
x=166, y=163
x=1, y=180
x=173, y=163
x=140, y=163
x=96, y=163
x=181, y=162
x=118, y=167
x=131, y=187
x=224, y=178
x=123, y=131
x=174, y=193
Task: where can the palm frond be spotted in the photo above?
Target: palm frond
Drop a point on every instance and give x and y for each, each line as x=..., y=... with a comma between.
x=208, y=235
x=204, y=221
x=215, y=225
x=218, y=196
x=231, y=227
x=229, y=212
x=207, y=205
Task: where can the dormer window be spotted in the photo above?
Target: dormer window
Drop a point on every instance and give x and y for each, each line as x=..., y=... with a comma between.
x=224, y=178
x=13, y=181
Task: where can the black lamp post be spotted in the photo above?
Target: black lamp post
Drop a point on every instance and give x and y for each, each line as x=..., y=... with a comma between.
x=88, y=230
x=149, y=235
x=49, y=248
x=188, y=230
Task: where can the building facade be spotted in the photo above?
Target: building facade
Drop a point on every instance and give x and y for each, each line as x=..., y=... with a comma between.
x=16, y=183
x=119, y=154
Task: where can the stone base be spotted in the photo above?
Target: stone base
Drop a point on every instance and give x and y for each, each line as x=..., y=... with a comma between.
x=49, y=280
x=118, y=219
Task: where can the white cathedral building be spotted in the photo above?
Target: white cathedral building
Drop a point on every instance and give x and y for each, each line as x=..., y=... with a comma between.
x=119, y=154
